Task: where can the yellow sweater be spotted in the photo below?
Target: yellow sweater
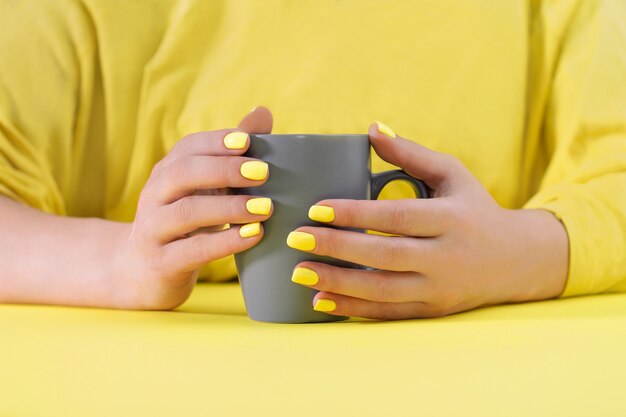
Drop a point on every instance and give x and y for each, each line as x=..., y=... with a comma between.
x=530, y=95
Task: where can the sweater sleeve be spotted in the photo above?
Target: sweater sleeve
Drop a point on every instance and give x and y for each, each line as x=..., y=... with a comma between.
x=585, y=137
x=43, y=99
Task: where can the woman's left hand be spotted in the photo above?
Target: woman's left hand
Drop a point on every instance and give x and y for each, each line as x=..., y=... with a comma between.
x=453, y=252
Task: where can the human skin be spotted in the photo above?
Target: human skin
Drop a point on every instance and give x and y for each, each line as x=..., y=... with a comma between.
x=453, y=252
x=151, y=263
x=456, y=251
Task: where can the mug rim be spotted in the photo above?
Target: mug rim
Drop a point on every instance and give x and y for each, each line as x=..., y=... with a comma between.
x=328, y=135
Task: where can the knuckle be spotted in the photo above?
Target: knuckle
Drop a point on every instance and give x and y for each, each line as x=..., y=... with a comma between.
x=230, y=209
x=236, y=206
x=199, y=251
x=353, y=213
x=233, y=164
x=183, y=144
x=203, y=248
x=398, y=217
x=455, y=163
x=450, y=165
x=184, y=210
x=448, y=159
x=168, y=179
x=157, y=174
x=182, y=168
x=171, y=174
x=384, y=291
x=385, y=312
x=384, y=251
x=326, y=242
x=223, y=168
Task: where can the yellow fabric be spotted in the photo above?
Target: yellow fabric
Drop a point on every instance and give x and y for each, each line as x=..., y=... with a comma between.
x=530, y=95
x=556, y=358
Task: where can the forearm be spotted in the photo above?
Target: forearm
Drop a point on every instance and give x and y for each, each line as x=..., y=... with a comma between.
x=47, y=259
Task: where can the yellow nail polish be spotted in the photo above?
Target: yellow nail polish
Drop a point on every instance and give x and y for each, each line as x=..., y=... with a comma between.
x=304, y=276
x=325, y=305
x=250, y=229
x=385, y=130
x=322, y=214
x=254, y=170
x=236, y=140
x=301, y=241
x=261, y=205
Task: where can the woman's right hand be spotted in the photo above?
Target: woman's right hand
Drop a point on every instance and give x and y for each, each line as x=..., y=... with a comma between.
x=182, y=213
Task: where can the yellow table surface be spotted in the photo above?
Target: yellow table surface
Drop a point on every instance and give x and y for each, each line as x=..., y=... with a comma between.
x=556, y=358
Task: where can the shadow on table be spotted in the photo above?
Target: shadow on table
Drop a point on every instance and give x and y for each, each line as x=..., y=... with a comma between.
x=225, y=299
x=601, y=307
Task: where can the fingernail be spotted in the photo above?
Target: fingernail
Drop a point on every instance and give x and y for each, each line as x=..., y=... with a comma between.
x=250, y=229
x=301, y=241
x=325, y=305
x=261, y=205
x=385, y=130
x=304, y=276
x=254, y=170
x=322, y=214
x=236, y=140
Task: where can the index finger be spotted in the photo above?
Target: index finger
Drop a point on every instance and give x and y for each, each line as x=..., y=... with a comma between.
x=408, y=217
x=224, y=142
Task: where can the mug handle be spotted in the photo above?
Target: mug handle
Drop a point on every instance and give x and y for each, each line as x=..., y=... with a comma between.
x=383, y=178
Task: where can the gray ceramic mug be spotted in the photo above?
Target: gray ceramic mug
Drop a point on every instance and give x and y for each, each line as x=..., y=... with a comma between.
x=303, y=169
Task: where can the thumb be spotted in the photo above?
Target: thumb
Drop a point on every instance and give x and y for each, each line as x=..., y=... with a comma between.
x=432, y=167
x=259, y=120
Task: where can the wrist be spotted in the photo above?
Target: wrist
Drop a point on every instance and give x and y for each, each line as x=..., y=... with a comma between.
x=541, y=249
x=118, y=270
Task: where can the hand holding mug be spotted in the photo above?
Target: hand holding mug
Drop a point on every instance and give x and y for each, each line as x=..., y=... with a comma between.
x=304, y=168
x=456, y=251
x=183, y=210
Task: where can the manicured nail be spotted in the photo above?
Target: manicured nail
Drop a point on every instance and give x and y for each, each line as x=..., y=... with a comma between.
x=254, y=170
x=261, y=205
x=304, y=276
x=385, y=130
x=322, y=214
x=236, y=140
x=325, y=305
x=301, y=241
x=250, y=229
